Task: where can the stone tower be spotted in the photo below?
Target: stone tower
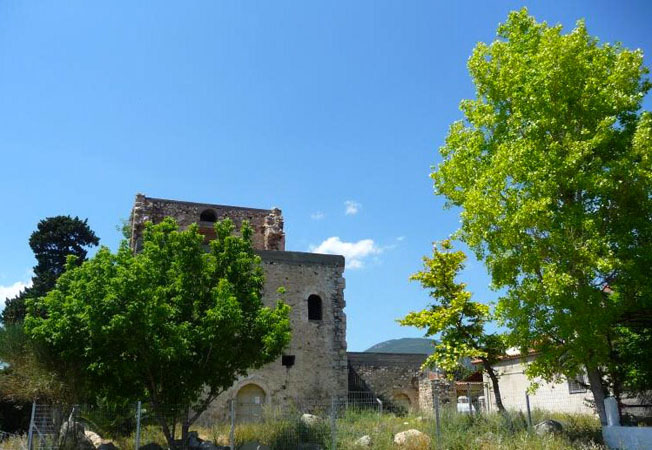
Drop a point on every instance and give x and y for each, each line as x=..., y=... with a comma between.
x=314, y=366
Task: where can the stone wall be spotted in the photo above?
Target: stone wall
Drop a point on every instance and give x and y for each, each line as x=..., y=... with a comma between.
x=266, y=223
x=389, y=376
x=319, y=372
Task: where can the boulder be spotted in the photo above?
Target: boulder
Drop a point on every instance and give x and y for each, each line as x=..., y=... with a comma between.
x=95, y=438
x=205, y=445
x=193, y=440
x=364, y=441
x=310, y=419
x=151, y=446
x=254, y=446
x=411, y=439
x=107, y=446
x=547, y=427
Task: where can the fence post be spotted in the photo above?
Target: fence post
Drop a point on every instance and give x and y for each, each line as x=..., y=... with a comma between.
x=232, y=431
x=437, y=423
x=468, y=393
x=333, y=423
x=138, y=412
x=529, y=413
x=380, y=406
x=30, y=434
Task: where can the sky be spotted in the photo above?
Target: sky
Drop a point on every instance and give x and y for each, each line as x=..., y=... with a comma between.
x=331, y=110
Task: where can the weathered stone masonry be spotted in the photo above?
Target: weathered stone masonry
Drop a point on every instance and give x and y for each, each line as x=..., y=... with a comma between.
x=315, y=366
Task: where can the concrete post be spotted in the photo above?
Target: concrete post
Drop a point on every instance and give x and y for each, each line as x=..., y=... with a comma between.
x=30, y=434
x=138, y=412
x=611, y=408
x=380, y=406
x=468, y=393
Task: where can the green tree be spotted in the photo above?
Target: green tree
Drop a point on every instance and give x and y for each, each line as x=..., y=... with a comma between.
x=175, y=324
x=54, y=239
x=551, y=167
x=459, y=321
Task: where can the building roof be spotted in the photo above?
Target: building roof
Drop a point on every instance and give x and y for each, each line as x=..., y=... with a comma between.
x=387, y=359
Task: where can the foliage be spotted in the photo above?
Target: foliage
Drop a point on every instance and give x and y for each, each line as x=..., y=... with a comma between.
x=174, y=323
x=459, y=321
x=53, y=241
x=551, y=167
x=25, y=377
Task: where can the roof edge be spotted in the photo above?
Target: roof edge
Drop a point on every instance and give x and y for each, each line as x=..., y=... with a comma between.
x=301, y=257
x=213, y=205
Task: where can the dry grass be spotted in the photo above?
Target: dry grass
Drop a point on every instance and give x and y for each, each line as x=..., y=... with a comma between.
x=458, y=432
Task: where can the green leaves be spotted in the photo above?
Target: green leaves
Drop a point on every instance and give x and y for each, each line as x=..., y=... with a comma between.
x=168, y=323
x=551, y=169
x=457, y=320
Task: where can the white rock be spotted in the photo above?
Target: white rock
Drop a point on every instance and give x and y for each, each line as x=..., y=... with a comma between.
x=364, y=441
x=410, y=438
x=310, y=419
x=95, y=438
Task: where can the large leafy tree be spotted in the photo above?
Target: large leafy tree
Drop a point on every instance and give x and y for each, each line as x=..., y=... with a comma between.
x=54, y=239
x=175, y=324
x=459, y=322
x=551, y=167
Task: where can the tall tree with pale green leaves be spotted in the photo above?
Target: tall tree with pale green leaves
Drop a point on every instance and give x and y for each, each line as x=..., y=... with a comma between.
x=552, y=169
x=456, y=321
x=174, y=324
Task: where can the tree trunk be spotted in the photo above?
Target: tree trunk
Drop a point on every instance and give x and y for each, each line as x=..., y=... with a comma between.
x=597, y=388
x=494, y=383
x=185, y=425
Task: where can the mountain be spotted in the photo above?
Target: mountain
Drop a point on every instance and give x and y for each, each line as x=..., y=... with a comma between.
x=404, y=345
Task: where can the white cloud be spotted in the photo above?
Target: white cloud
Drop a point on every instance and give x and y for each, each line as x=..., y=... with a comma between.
x=352, y=207
x=400, y=238
x=354, y=252
x=11, y=291
x=318, y=215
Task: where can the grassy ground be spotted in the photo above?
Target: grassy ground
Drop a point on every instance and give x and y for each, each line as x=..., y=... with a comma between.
x=458, y=431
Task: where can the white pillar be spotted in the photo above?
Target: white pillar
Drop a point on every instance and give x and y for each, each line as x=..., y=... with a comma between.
x=611, y=408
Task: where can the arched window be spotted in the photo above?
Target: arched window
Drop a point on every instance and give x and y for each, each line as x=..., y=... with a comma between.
x=208, y=215
x=314, y=307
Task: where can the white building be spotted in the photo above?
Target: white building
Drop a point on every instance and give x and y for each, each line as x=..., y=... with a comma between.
x=567, y=396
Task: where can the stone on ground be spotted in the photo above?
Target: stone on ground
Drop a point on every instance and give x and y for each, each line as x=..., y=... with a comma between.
x=151, y=446
x=548, y=426
x=310, y=419
x=411, y=439
x=107, y=446
x=364, y=441
x=95, y=438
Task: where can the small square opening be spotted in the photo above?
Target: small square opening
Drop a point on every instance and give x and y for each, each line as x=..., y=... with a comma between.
x=287, y=360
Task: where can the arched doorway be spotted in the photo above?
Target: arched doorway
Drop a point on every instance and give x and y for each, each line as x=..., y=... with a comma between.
x=402, y=401
x=249, y=403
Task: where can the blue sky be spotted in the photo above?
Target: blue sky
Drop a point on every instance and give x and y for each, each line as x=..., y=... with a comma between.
x=319, y=108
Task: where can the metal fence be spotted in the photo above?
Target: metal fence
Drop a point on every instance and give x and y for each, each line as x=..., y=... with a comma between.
x=305, y=424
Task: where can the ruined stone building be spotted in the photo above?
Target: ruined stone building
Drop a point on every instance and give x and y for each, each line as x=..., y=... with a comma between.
x=392, y=377
x=314, y=365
